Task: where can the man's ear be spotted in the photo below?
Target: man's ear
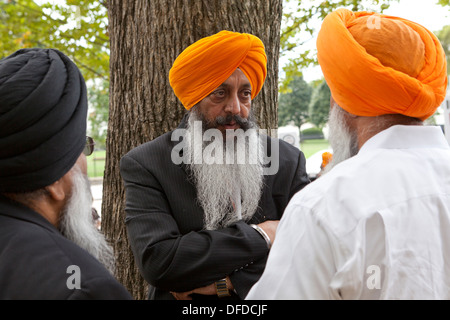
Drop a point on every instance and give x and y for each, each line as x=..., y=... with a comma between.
x=60, y=189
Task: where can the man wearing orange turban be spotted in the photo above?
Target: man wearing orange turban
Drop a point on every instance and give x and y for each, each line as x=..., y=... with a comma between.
x=206, y=64
x=376, y=224
x=200, y=223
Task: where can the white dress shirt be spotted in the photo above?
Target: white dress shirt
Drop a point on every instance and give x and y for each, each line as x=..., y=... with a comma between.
x=377, y=226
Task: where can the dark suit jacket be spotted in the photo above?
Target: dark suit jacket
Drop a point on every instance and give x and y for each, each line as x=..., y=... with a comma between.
x=165, y=222
x=35, y=257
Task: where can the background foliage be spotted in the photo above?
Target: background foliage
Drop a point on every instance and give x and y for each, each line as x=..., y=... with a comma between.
x=294, y=104
x=76, y=27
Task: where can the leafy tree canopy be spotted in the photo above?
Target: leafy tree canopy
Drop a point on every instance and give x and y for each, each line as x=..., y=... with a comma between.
x=320, y=105
x=76, y=27
x=294, y=104
x=444, y=37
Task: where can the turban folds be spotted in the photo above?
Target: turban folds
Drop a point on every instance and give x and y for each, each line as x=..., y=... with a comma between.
x=43, y=112
x=377, y=64
x=207, y=63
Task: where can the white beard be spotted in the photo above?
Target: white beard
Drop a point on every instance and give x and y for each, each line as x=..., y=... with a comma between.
x=218, y=184
x=77, y=223
x=343, y=142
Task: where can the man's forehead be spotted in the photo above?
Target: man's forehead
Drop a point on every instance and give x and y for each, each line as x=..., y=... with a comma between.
x=237, y=75
x=241, y=85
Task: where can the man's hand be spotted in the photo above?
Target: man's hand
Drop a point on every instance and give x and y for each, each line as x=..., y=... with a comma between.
x=270, y=227
x=208, y=290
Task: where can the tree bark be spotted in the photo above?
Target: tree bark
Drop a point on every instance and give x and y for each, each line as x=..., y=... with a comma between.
x=146, y=37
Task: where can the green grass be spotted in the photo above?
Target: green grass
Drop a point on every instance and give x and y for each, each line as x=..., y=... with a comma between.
x=96, y=164
x=309, y=147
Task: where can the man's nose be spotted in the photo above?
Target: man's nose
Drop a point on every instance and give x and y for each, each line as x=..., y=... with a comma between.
x=233, y=104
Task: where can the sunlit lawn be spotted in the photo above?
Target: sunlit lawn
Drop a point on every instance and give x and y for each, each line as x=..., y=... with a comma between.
x=96, y=164
x=309, y=147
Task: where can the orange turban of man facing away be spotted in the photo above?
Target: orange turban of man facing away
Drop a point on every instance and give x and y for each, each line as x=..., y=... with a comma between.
x=377, y=64
x=207, y=63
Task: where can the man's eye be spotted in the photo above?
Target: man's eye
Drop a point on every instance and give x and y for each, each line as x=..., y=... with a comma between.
x=246, y=93
x=219, y=93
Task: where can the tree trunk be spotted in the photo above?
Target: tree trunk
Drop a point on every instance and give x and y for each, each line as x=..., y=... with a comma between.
x=146, y=37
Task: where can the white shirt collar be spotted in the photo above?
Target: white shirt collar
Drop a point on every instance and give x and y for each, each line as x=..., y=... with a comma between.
x=405, y=137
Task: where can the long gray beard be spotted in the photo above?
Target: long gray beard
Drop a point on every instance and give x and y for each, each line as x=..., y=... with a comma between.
x=343, y=142
x=227, y=192
x=77, y=223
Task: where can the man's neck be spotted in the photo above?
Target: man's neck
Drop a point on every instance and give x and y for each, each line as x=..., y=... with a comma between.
x=367, y=127
x=37, y=203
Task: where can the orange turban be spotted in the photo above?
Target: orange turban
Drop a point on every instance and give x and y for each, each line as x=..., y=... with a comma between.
x=326, y=158
x=207, y=63
x=377, y=64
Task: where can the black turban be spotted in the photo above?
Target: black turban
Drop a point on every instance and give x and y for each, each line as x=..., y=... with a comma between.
x=43, y=113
